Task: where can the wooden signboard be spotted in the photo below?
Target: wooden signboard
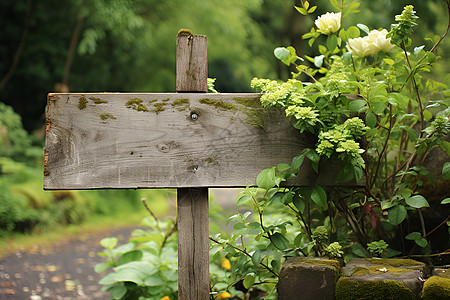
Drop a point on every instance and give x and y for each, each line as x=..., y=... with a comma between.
x=189, y=140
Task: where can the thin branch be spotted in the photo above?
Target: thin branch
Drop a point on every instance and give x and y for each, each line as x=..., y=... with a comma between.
x=72, y=46
x=26, y=28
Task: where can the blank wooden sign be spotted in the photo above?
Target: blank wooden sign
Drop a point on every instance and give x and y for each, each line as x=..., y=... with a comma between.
x=170, y=140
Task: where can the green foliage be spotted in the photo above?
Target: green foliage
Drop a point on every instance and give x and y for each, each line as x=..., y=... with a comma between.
x=365, y=104
x=378, y=248
x=146, y=266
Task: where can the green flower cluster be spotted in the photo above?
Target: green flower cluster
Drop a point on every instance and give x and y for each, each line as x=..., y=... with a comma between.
x=320, y=234
x=275, y=93
x=341, y=139
x=334, y=250
x=402, y=31
x=441, y=124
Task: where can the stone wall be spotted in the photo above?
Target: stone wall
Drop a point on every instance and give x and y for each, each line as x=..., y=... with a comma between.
x=361, y=278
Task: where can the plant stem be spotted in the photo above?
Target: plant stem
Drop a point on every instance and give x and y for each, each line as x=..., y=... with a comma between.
x=248, y=254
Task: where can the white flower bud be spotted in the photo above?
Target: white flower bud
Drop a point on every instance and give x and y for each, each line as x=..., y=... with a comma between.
x=329, y=22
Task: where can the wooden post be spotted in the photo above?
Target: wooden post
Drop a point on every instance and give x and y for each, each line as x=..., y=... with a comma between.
x=192, y=203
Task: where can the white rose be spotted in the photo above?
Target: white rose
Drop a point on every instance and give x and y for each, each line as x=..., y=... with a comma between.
x=329, y=22
x=378, y=42
x=358, y=46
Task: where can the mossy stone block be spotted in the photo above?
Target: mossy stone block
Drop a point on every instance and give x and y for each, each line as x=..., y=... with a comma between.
x=441, y=272
x=381, y=279
x=436, y=288
x=308, y=278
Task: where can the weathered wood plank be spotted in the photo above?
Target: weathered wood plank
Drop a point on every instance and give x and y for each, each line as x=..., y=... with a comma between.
x=193, y=243
x=192, y=70
x=119, y=140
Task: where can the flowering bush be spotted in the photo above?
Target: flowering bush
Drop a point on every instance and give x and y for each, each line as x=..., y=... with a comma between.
x=369, y=103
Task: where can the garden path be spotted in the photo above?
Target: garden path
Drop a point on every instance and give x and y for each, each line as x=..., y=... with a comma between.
x=64, y=271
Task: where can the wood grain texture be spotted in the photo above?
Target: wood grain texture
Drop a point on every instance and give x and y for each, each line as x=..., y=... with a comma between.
x=192, y=69
x=119, y=140
x=193, y=241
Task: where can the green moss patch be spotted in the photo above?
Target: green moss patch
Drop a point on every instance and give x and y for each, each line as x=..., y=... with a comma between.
x=136, y=104
x=436, y=288
x=98, y=100
x=321, y=262
x=106, y=116
x=249, y=106
x=395, y=262
x=82, y=103
x=348, y=289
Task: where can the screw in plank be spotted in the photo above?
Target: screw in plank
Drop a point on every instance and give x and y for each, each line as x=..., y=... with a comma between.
x=194, y=116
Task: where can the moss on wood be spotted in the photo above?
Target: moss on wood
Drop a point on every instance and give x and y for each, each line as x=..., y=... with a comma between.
x=136, y=104
x=82, y=103
x=98, y=100
x=106, y=116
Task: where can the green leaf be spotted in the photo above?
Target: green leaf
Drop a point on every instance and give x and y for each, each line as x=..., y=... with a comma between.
x=249, y=280
x=385, y=204
x=446, y=147
x=281, y=53
x=312, y=9
x=306, y=5
x=102, y=267
x=279, y=241
x=243, y=200
x=389, y=61
x=431, y=57
x=371, y=120
x=301, y=10
x=397, y=214
x=427, y=115
x=353, y=32
x=332, y=42
x=283, y=167
x=118, y=291
x=130, y=256
x=363, y=28
x=298, y=203
x=412, y=134
x=154, y=280
x=109, y=243
x=319, y=196
x=417, y=201
x=356, y=105
x=446, y=170
x=297, y=162
x=413, y=236
x=345, y=174
x=266, y=179
x=422, y=242
x=258, y=256
x=445, y=201
x=335, y=4
x=378, y=107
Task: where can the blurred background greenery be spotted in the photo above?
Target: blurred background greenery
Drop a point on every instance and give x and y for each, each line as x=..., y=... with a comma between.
x=129, y=45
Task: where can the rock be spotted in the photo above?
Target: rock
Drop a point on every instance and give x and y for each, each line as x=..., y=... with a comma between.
x=436, y=288
x=441, y=272
x=374, y=278
x=308, y=278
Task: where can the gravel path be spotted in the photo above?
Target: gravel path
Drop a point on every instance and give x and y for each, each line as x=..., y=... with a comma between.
x=66, y=271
